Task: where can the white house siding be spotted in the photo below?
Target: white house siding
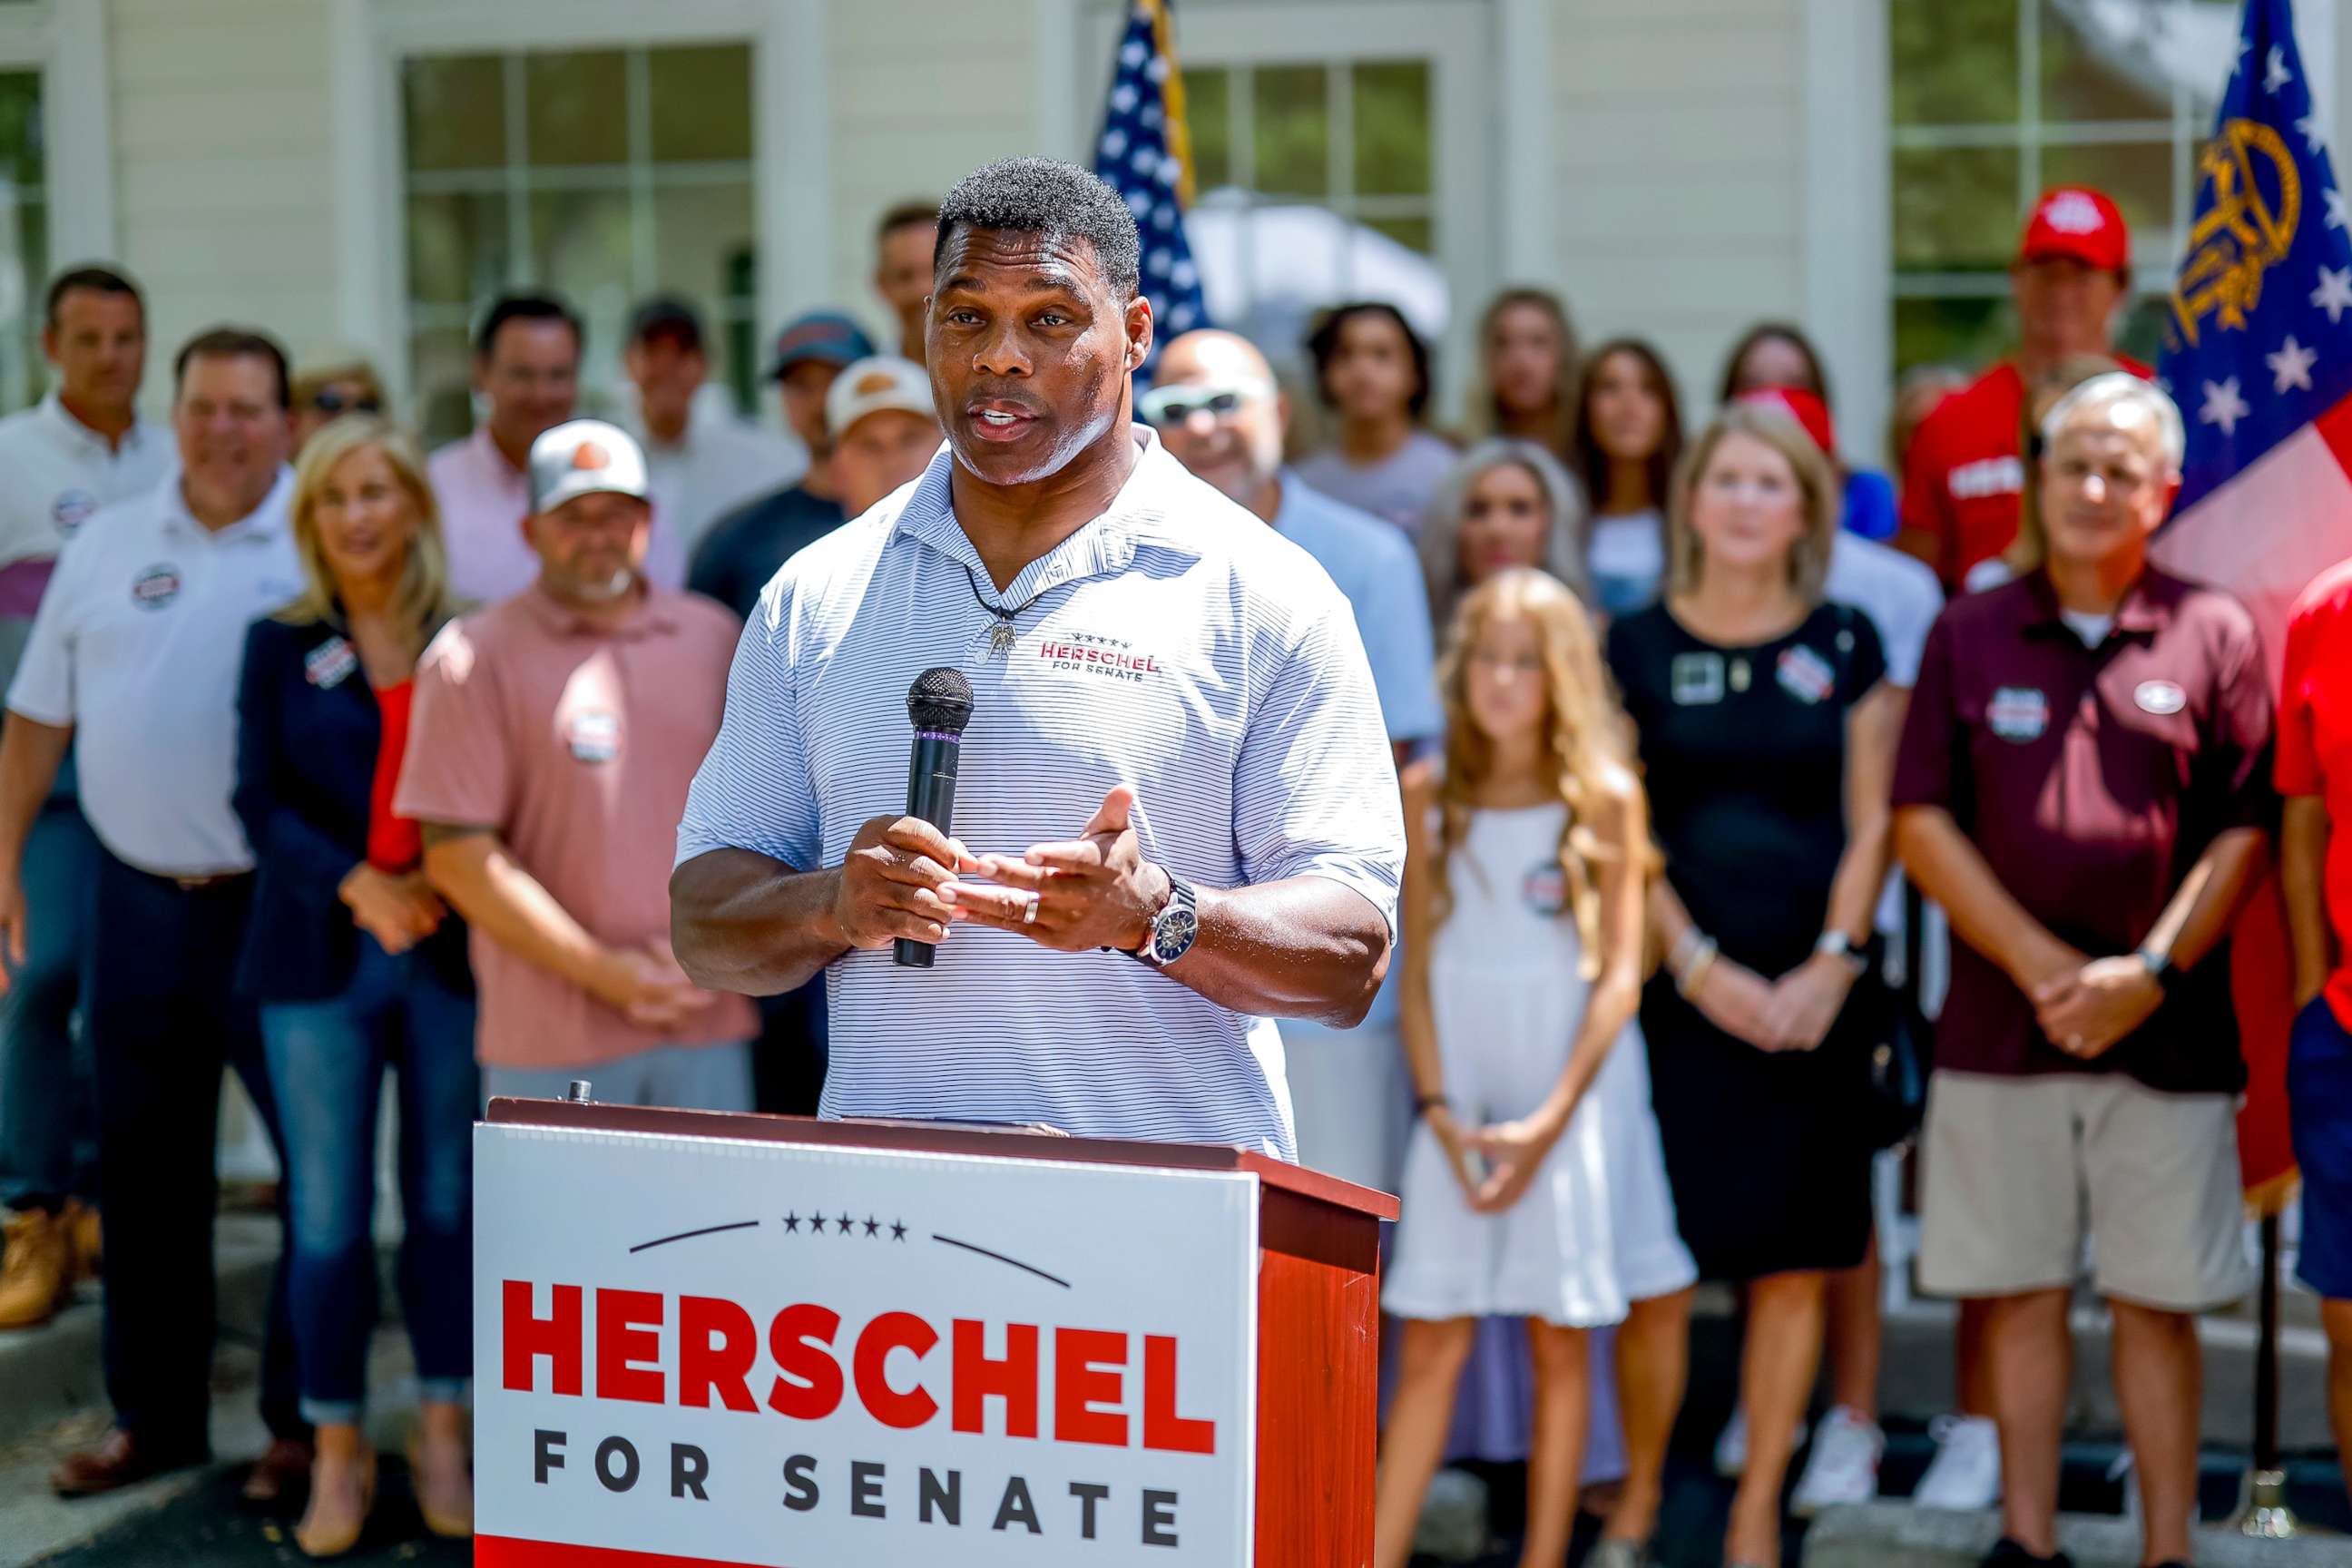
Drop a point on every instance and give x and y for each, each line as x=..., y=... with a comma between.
x=1678, y=141
x=923, y=91
x=222, y=166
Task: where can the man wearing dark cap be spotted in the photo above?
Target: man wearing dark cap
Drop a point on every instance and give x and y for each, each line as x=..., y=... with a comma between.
x=703, y=461
x=743, y=548
x=1966, y=469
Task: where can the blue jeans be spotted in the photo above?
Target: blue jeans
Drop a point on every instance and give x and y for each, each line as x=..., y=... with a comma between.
x=48, y=1120
x=327, y=1061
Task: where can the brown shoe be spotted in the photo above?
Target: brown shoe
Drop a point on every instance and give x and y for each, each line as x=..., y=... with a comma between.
x=120, y=1461
x=88, y=1238
x=36, y=1268
x=282, y=1472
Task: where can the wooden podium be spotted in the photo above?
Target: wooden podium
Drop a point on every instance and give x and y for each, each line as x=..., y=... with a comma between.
x=1315, y=1311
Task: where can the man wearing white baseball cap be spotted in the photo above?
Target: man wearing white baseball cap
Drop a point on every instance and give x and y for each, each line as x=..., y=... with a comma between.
x=553, y=739
x=884, y=429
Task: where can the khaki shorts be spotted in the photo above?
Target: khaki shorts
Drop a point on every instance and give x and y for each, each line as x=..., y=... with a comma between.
x=2018, y=1171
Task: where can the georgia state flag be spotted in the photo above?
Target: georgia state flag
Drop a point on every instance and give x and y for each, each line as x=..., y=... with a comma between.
x=2258, y=354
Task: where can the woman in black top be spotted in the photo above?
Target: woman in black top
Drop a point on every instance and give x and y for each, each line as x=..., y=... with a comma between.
x=1767, y=735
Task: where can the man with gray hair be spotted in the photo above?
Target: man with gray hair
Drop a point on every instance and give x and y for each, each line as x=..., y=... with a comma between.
x=2083, y=786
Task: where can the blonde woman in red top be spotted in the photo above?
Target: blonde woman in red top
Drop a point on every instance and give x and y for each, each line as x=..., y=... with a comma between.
x=356, y=963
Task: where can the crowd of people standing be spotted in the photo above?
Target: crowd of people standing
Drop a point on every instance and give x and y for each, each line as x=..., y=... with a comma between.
x=324, y=757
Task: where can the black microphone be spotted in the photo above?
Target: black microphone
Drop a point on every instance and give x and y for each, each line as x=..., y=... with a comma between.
x=939, y=702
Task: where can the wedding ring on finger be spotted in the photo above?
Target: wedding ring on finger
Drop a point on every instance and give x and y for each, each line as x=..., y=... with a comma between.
x=1029, y=915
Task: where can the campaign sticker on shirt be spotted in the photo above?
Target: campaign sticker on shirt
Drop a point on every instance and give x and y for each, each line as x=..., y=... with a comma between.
x=155, y=587
x=330, y=664
x=1805, y=674
x=1545, y=889
x=594, y=736
x=2017, y=713
x=2160, y=697
x=1694, y=679
x=72, y=509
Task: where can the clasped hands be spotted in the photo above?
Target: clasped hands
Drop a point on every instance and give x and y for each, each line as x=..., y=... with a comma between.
x=904, y=878
x=2086, y=1005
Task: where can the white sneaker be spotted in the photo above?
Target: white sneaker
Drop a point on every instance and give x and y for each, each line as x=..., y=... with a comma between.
x=1844, y=1465
x=1731, y=1447
x=1965, y=1475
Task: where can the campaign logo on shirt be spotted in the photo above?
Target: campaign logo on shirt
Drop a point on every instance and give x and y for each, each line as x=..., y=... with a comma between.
x=1545, y=889
x=2017, y=713
x=1986, y=477
x=1805, y=674
x=155, y=587
x=1095, y=653
x=1694, y=679
x=2161, y=697
x=594, y=735
x=72, y=509
x=330, y=664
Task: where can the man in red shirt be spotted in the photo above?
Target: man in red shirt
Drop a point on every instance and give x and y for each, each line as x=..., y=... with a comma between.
x=2315, y=775
x=1966, y=469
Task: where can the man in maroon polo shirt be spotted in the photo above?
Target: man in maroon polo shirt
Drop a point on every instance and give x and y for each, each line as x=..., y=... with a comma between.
x=2083, y=786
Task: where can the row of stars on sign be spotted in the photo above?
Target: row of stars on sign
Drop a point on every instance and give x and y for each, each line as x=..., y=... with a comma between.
x=845, y=1225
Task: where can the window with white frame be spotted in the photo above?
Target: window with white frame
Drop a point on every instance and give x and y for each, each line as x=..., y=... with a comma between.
x=1993, y=101
x=603, y=174
x=24, y=238
x=1330, y=161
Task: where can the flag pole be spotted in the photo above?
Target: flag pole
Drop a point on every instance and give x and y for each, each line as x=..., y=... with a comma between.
x=2266, y=1514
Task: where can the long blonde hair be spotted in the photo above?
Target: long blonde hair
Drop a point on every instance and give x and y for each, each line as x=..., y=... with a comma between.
x=424, y=600
x=1808, y=558
x=1587, y=745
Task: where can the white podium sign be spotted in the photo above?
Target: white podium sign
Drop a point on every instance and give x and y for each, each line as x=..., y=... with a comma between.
x=699, y=1351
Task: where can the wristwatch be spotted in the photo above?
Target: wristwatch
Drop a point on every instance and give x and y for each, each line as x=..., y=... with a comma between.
x=1837, y=944
x=1174, y=928
x=2160, y=969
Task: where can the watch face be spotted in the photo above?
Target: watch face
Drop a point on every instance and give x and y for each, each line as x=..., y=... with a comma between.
x=1172, y=934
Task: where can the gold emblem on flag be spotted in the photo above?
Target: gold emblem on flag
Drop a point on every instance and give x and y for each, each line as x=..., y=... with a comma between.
x=2256, y=204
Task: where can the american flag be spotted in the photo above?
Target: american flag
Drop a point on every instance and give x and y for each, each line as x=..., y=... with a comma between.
x=1142, y=154
x=2258, y=354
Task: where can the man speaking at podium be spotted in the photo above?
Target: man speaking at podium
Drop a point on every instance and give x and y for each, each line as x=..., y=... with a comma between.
x=1177, y=818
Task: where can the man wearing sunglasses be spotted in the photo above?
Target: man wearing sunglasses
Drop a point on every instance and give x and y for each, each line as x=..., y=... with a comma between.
x=1219, y=413
x=328, y=385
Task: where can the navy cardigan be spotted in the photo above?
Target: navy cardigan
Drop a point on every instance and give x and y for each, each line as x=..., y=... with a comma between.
x=305, y=748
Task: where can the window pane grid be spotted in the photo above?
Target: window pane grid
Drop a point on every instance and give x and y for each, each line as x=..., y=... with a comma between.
x=2073, y=122
x=580, y=200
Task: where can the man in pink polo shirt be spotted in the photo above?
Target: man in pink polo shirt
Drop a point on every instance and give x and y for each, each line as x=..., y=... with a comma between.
x=526, y=367
x=554, y=736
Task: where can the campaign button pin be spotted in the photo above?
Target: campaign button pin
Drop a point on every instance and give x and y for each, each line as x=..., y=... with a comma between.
x=2160, y=697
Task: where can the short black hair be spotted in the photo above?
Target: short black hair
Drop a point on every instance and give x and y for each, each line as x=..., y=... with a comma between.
x=234, y=342
x=526, y=308
x=98, y=280
x=1043, y=195
x=1323, y=346
x=668, y=317
x=1778, y=331
x=905, y=215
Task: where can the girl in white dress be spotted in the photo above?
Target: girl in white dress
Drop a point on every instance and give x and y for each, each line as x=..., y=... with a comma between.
x=1534, y=1186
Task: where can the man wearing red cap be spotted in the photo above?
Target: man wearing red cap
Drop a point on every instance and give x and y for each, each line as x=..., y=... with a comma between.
x=1966, y=471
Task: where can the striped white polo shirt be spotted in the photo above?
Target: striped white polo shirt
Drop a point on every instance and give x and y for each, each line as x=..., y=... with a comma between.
x=1175, y=644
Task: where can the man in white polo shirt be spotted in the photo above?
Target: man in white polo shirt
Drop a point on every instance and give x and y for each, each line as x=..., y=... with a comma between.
x=80, y=448
x=1175, y=752
x=134, y=662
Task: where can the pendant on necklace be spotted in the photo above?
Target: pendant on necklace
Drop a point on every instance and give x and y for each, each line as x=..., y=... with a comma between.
x=1001, y=637
x=1740, y=675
